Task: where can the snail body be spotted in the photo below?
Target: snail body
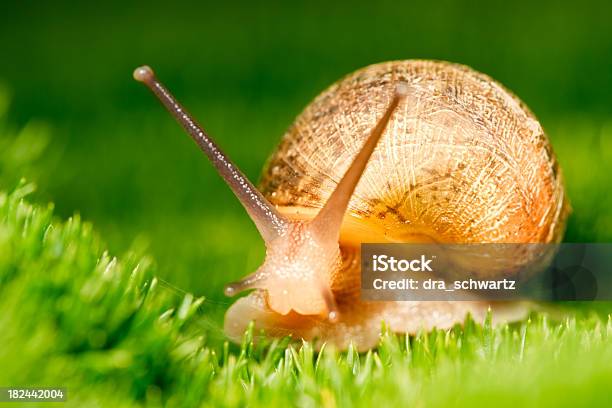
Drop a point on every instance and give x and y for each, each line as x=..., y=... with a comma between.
x=448, y=157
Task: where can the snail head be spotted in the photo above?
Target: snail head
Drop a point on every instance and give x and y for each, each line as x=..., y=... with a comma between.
x=301, y=256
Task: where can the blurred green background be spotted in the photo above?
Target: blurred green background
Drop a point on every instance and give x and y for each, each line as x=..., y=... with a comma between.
x=246, y=70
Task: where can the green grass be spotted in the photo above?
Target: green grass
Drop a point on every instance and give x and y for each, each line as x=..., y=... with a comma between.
x=75, y=316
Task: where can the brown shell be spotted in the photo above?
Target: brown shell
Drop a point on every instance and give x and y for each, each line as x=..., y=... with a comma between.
x=462, y=160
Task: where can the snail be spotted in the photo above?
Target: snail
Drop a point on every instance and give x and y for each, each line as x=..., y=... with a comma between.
x=403, y=151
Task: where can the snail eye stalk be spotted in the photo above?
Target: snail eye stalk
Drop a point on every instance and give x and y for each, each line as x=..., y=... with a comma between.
x=328, y=221
x=268, y=221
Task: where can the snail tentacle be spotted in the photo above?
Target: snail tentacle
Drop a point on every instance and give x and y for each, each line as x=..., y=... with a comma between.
x=268, y=220
x=248, y=282
x=333, y=314
x=329, y=220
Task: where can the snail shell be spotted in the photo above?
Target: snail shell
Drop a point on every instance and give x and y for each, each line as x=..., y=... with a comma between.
x=462, y=161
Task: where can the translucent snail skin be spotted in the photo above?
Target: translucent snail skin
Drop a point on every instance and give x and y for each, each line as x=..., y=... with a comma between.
x=402, y=151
